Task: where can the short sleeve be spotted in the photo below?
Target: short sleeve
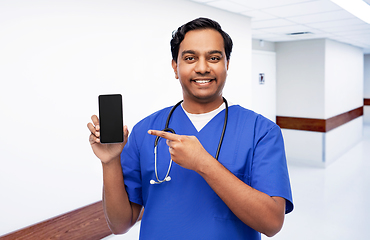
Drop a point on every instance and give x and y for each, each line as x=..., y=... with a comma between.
x=269, y=167
x=130, y=162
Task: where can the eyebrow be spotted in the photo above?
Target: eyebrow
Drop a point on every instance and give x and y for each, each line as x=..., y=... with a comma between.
x=187, y=52
x=215, y=52
x=209, y=52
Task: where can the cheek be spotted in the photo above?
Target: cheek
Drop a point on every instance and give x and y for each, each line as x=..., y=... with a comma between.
x=184, y=72
x=222, y=72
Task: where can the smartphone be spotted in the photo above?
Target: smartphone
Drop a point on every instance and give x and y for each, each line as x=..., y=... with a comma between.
x=111, y=118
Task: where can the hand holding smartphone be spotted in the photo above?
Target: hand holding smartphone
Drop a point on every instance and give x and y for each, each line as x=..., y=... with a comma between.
x=111, y=118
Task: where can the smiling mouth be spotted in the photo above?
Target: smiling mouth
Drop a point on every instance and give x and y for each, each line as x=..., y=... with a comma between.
x=202, y=81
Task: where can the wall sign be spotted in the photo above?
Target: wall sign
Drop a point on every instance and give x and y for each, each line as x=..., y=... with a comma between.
x=261, y=79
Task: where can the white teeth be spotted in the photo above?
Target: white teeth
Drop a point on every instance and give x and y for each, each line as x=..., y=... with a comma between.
x=202, y=81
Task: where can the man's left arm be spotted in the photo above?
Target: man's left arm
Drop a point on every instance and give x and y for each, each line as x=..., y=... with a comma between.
x=255, y=208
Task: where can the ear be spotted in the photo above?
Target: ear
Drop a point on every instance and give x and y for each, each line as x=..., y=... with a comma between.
x=227, y=64
x=174, y=66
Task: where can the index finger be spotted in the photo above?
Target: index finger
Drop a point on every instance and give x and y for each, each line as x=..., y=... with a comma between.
x=95, y=120
x=163, y=134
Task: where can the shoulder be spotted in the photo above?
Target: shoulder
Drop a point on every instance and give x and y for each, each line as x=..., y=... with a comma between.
x=252, y=123
x=250, y=117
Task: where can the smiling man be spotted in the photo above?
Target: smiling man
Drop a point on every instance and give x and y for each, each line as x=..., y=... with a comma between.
x=201, y=66
x=228, y=178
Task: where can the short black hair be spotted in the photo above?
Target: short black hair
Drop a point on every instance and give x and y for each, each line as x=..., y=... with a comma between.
x=199, y=23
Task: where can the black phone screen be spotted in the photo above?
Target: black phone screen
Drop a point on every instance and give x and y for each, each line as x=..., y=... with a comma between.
x=111, y=118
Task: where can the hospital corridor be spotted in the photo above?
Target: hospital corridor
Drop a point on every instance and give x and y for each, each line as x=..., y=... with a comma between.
x=295, y=75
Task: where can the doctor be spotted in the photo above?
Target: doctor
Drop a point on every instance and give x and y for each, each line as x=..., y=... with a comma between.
x=243, y=193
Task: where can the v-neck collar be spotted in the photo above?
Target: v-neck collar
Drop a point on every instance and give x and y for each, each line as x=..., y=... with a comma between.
x=209, y=122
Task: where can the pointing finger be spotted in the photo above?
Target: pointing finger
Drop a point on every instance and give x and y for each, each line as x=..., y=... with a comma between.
x=163, y=134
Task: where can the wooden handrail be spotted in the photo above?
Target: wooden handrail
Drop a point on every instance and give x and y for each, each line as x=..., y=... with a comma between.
x=81, y=224
x=366, y=101
x=318, y=125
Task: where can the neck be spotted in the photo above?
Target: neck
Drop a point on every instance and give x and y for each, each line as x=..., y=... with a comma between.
x=201, y=107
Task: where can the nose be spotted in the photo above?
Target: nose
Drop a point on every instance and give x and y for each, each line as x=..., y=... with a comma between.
x=202, y=66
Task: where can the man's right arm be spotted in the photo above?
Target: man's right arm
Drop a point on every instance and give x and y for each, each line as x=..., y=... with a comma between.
x=120, y=213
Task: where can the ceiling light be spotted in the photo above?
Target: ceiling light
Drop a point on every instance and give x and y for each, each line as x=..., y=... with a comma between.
x=358, y=8
x=299, y=33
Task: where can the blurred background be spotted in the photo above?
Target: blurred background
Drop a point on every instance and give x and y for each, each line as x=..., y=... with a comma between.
x=56, y=57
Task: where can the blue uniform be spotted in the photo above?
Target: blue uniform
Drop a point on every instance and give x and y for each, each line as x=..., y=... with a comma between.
x=186, y=207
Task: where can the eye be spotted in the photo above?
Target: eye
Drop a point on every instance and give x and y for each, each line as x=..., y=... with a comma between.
x=189, y=58
x=214, y=59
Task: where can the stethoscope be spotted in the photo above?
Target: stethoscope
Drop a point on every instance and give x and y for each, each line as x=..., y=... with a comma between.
x=167, y=178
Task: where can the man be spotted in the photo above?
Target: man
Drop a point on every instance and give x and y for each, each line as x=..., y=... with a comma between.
x=238, y=193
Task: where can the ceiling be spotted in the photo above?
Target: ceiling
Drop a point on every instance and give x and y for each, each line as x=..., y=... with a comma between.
x=286, y=20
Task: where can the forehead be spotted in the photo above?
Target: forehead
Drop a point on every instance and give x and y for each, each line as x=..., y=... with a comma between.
x=202, y=40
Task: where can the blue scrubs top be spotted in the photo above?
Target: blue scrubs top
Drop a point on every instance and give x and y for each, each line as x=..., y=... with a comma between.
x=186, y=207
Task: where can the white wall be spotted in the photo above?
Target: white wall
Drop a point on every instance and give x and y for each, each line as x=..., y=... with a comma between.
x=367, y=76
x=367, y=87
x=300, y=71
x=304, y=147
x=344, y=76
x=340, y=140
x=321, y=149
x=264, y=95
x=366, y=114
x=319, y=79
x=56, y=58
x=262, y=45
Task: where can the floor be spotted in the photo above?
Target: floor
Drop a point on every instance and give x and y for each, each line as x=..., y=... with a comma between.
x=330, y=203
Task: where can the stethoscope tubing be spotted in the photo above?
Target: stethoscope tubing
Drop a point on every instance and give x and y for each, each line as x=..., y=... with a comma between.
x=223, y=128
x=167, y=129
x=167, y=177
